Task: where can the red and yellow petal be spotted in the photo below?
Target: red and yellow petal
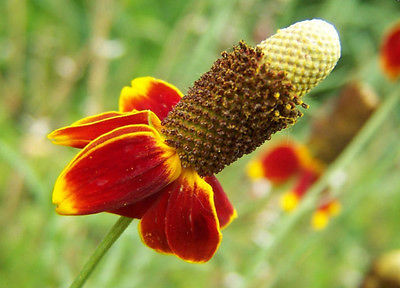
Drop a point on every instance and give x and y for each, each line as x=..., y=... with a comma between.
x=185, y=218
x=255, y=169
x=137, y=209
x=148, y=93
x=280, y=163
x=225, y=211
x=152, y=225
x=98, y=117
x=115, y=170
x=192, y=226
x=390, y=53
x=289, y=201
x=319, y=220
x=324, y=213
x=80, y=133
x=306, y=179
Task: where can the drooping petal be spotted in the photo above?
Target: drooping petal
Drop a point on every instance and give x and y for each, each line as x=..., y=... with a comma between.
x=319, y=220
x=255, y=169
x=115, y=170
x=306, y=179
x=280, y=163
x=113, y=134
x=152, y=225
x=390, y=53
x=192, y=226
x=225, y=211
x=289, y=201
x=80, y=133
x=98, y=117
x=149, y=93
x=137, y=209
x=328, y=209
x=332, y=207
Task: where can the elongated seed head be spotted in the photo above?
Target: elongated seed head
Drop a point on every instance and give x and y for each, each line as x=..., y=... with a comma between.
x=307, y=51
x=249, y=94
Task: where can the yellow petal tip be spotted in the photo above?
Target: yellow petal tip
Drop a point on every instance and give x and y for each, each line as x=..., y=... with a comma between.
x=319, y=220
x=289, y=201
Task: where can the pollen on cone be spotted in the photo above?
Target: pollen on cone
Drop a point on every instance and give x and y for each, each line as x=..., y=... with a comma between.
x=307, y=51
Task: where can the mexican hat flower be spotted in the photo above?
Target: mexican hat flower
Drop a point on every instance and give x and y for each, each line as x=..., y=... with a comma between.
x=390, y=53
x=277, y=164
x=327, y=210
x=303, y=183
x=156, y=157
x=289, y=160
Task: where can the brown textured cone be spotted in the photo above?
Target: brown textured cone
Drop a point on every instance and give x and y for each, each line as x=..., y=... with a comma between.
x=332, y=132
x=230, y=111
x=385, y=272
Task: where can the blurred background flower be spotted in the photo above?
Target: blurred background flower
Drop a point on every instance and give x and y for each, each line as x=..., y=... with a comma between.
x=331, y=131
x=64, y=60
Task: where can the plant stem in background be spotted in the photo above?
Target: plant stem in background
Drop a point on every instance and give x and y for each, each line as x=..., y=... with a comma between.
x=106, y=243
x=348, y=155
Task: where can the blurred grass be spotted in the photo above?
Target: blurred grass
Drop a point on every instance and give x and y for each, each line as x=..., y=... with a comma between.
x=62, y=60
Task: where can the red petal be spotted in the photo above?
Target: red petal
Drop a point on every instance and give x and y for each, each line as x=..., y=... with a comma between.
x=148, y=93
x=280, y=163
x=390, y=53
x=117, y=169
x=331, y=207
x=306, y=179
x=152, y=225
x=192, y=227
x=80, y=133
x=225, y=210
x=137, y=209
x=97, y=117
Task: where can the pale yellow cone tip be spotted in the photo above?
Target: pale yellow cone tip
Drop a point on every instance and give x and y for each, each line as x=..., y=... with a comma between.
x=307, y=51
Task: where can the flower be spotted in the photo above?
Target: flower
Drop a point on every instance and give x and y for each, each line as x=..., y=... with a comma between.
x=305, y=180
x=390, y=53
x=126, y=168
x=330, y=134
x=156, y=157
x=277, y=164
x=289, y=159
x=325, y=211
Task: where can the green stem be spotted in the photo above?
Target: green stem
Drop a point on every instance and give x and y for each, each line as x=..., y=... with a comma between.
x=342, y=161
x=105, y=244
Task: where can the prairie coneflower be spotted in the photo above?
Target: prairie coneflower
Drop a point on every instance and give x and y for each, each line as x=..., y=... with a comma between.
x=155, y=158
x=277, y=164
x=325, y=211
x=292, y=160
x=390, y=53
x=330, y=134
x=306, y=178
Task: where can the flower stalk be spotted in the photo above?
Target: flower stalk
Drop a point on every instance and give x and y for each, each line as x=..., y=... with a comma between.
x=112, y=236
